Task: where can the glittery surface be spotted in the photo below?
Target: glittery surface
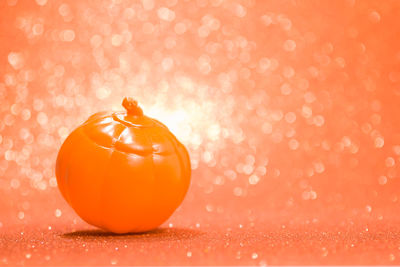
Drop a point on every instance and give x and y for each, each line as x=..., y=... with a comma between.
x=289, y=109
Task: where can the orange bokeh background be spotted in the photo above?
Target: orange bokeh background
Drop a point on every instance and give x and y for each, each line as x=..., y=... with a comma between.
x=289, y=109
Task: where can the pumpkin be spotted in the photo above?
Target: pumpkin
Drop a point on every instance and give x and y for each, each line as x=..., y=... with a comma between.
x=123, y=171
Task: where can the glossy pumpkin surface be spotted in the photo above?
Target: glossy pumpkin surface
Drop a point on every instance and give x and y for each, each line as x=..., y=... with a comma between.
x=123, y=172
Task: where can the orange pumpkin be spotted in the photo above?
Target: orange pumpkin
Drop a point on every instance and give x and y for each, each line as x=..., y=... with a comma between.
x=123, y=172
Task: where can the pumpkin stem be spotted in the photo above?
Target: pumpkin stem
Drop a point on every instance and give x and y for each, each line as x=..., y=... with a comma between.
x=131, y=106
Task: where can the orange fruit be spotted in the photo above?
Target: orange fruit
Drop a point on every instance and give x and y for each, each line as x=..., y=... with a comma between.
x=123, y=171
